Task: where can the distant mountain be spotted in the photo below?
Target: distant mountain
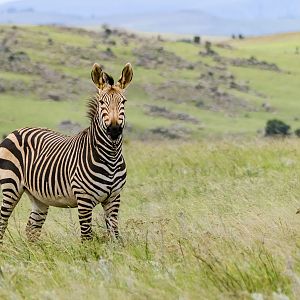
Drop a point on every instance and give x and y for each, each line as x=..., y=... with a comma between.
x=255, y=9
x=198, y=22
x=228, y=9
x=88, y=8
x=215, y=17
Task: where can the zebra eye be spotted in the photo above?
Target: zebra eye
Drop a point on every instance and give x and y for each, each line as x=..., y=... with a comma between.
x=101, y=102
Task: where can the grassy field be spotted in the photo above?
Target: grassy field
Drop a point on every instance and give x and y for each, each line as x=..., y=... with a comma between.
x=212, y=216
x=198, y=220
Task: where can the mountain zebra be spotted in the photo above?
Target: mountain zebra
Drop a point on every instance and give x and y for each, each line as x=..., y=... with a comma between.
x=69, y=171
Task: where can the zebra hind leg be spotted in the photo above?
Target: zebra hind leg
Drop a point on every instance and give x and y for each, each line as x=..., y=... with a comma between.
x=11, y=197
x=111, y=210
x=36, y=220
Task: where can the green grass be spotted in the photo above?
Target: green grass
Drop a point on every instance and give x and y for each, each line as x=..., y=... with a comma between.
x=17, y=112
x=59, y=36
x=280, y=90
x=199, y=220
x=187, y=51
x=17, y=76
x=212, y=218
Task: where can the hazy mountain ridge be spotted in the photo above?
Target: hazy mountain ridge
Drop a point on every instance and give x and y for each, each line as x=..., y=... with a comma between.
x=232, y=9
x=215, y=18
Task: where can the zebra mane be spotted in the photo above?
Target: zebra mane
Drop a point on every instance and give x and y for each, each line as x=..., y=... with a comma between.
x=92, y=106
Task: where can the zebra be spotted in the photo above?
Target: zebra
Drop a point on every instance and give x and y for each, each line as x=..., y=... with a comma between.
x=70, y=171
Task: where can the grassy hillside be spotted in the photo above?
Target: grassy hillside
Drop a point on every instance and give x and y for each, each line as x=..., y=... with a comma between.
x=46, y=71
x=229, y=233
x=200, y=219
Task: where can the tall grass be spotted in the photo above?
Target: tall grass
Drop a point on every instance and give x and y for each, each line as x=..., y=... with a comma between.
x=198, y=220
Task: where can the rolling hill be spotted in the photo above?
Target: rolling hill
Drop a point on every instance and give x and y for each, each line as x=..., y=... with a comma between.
x=180, y=89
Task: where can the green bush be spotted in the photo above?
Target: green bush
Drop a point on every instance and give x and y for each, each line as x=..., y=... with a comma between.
x=277, y=128
x=297, y=132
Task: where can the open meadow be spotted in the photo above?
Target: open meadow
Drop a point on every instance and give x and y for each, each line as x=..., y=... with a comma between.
x=198, y=220
x=209, y=207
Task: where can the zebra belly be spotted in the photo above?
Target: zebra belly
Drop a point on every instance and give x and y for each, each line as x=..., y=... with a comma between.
x=57, y=200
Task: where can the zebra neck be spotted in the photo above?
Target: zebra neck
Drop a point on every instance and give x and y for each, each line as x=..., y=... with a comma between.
x=103, y=148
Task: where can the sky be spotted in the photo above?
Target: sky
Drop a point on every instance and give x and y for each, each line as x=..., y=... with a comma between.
x=227, y=9
x=214, y=1
x=217, y=17
x=188, y=4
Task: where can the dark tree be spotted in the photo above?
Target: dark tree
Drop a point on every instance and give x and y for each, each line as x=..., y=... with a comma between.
x=197, y=39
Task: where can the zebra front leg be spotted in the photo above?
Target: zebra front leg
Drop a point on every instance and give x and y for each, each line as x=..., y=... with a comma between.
x=85, y=221
x=111, y=210
x=36, y=220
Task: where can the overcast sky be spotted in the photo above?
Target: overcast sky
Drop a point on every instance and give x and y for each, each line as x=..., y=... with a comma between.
x=188, y=1
x=185, y=3
x=217, y=17
x=226, y=9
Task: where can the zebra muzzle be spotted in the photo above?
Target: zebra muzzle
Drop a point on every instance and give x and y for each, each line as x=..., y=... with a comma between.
x=114, y=131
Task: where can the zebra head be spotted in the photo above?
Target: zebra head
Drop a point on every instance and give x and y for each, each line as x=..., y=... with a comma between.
x=110, y=100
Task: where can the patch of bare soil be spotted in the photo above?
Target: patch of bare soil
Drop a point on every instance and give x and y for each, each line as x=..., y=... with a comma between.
x=175, y=131
x=158, y=111
x=251, y=62
x=205, y=94
x=69, y=127
x=47, y=83
x=153, y=56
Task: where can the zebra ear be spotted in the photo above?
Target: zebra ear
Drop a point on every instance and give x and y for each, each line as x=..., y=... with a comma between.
x=126, y=76
x=108, y=79
x=100, y=78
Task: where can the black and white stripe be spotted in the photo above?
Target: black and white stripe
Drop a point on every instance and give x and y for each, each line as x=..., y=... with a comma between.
x=79, y=171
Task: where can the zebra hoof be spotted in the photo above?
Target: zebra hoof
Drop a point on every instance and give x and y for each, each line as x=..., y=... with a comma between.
x=86, y=238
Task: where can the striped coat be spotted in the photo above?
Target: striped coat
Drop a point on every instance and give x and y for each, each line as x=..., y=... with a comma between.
x=78, y=171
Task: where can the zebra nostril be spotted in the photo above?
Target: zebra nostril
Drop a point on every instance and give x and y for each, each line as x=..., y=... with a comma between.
x=114, y=131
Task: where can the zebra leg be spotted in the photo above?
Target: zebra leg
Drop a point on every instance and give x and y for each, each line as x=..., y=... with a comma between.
x=111, y=210
x=11, y=197
x=36, y=220
x=85, y=221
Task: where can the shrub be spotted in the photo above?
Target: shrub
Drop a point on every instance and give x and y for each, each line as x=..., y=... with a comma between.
x=277, y=128
x=197, y=39
x=297, y=132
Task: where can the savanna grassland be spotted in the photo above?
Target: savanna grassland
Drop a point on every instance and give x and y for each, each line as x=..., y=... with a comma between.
x=198, y=220
x=209, y=208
